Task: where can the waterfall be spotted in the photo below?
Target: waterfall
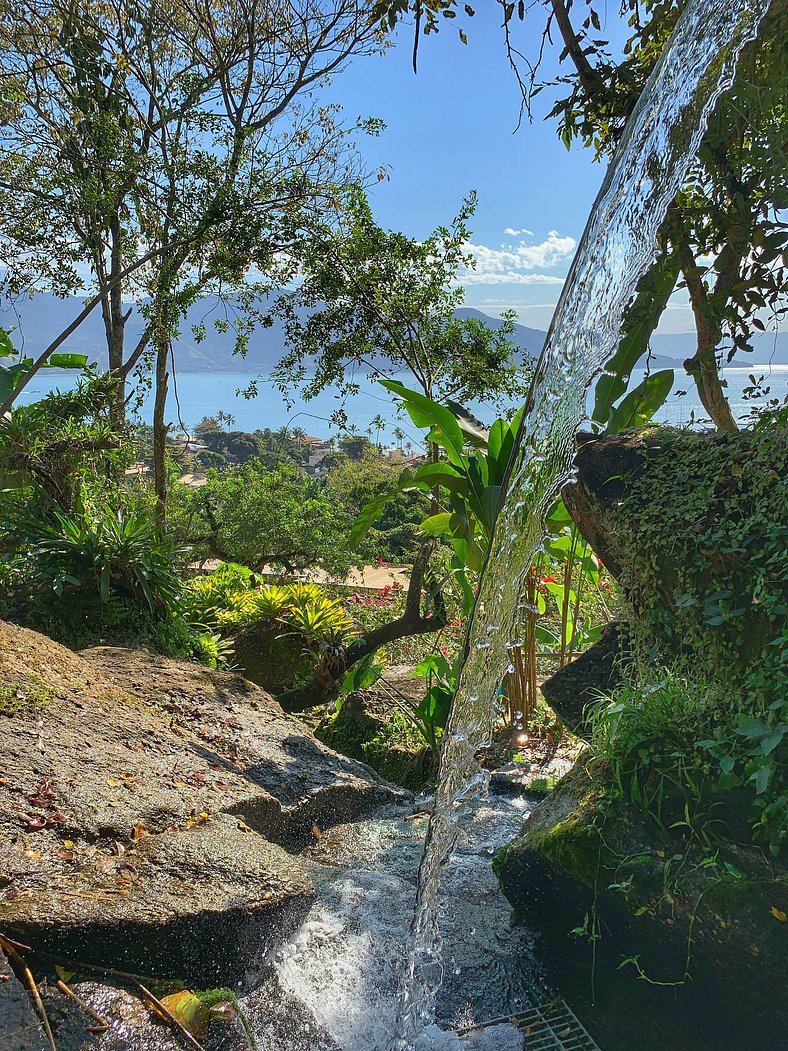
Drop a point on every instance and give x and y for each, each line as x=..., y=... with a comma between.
x=619, y=242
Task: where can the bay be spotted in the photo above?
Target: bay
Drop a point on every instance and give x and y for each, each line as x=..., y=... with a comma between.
x=198, y=395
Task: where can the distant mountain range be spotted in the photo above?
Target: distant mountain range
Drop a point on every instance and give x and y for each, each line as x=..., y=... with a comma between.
x=40, y=320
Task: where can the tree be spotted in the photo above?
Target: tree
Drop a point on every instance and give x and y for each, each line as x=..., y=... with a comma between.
x=355, y=483
x=723, y=239
x=387, y=302
x=168, y=147
x=258, y=517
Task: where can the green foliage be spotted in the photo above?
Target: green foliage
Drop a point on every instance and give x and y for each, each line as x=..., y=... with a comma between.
x=648, y=736
x=230, y=599
x=353, y=484
x=10, y=375
x=713, y=599
x=54, y=448
x=259, y=517
x=100, y=551
x=318, y=619
x=469, y=482
x=380, y=298
x=360, y=677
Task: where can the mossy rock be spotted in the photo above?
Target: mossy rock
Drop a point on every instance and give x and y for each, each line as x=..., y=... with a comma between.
x=603, y=887
x=693, y=526
x=270, y=659
x=358, y=731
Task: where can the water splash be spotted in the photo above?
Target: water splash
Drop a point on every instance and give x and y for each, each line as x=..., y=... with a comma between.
x=619, y=242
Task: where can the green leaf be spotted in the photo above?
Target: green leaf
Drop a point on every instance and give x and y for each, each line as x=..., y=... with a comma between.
x=68, y=361
x=364, y=674
x=441, y=474
x=654, y=291
x=427, y=413
x=435, y=707
x=439, y=524
x=6, y=346
x=641, y=403
x=371, y=511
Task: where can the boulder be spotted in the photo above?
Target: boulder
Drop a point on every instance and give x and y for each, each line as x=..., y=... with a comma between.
x=269, y=659
x=135, y=795
x=578, y=684
x=202, y=903
x=604, y=889
x=239, y=727
x=20, y=1028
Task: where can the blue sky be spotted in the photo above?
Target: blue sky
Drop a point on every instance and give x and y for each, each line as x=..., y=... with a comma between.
x=450, y=130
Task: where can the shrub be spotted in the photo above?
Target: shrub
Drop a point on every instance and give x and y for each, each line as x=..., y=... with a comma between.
x=98, y=550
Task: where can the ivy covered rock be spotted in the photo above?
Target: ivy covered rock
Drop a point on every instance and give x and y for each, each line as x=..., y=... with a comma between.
x=694, y=527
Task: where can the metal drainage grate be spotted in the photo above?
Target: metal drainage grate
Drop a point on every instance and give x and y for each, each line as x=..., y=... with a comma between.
x=551, y=1026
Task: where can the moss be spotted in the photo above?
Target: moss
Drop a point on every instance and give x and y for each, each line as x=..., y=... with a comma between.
x=390, y=747
x=542, y=786
x=24, y=698
x=211, y=997
x=402, y=766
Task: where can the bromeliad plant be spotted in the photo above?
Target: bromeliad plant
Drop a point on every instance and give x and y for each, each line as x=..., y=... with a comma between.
x=101, y=552
x=233, y=598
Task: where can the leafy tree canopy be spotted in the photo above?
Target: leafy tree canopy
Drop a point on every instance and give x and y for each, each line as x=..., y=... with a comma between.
x=385, y=302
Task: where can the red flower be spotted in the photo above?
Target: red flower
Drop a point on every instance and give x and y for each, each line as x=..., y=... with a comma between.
x=548, y=580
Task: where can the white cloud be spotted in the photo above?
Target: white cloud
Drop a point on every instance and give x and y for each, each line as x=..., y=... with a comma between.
x=508, y=277
x=513, y=263
x=518, y=233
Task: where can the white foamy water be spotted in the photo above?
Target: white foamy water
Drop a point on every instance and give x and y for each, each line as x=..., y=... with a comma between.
x=339, y=973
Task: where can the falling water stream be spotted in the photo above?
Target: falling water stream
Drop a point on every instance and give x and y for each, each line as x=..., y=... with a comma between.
x=661, y=139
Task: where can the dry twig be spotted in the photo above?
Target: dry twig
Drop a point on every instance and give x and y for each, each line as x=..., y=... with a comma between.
x=168, y=1016
x=12, y=951
x=101, y=1023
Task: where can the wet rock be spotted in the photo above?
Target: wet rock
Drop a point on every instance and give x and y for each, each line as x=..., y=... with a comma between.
x=202, y=903
x=570, y=690
x=20, y=1028
x=602, y=887
x=130, y=787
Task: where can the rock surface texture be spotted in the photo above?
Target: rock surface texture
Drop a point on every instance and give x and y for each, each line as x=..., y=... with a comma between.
x=145, y=807
x=570, y=690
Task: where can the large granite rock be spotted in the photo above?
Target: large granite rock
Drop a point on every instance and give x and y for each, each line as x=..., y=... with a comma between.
x=570, y=690
x=139, y=799
x=20, y=1029
x=202, y=903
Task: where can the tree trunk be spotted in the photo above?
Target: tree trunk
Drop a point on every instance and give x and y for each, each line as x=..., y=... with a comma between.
x=702, y=366
x=160, y=429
